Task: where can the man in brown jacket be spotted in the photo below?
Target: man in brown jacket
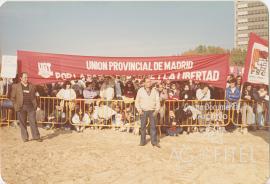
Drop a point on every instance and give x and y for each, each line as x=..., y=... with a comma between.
x=24, y=100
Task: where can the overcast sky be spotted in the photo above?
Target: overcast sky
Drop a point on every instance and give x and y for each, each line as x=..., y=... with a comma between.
x=115, y=28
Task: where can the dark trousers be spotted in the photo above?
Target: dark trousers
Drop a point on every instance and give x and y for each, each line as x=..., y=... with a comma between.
x=171, y=132
x=231, y=119
x=28, y=111
x=153, y=130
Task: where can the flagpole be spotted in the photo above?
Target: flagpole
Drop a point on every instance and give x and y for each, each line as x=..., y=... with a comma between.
x=7, y=87
x=241, y=91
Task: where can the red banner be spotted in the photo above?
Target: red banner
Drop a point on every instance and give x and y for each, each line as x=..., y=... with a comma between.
x=256, y=64
x=48, y=68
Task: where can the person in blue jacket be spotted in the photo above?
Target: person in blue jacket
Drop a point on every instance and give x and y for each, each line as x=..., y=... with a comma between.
x=232, y=92
x=232, y=98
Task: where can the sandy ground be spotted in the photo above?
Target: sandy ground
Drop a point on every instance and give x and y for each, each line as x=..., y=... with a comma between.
x=107, y=156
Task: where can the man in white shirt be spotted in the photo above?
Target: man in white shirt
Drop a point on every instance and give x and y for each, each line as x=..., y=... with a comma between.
x=148, y=104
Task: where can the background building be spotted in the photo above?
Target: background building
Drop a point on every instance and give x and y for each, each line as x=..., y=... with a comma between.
x=250, y=16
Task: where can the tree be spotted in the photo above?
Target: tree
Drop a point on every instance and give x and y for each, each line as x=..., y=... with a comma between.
x=237, y=56
x=204, y=50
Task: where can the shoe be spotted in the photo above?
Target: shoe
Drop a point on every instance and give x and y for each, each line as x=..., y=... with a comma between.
x=67, y=129
x=47, y=127
x=26, y=140
x=38, y=140
x=260, y=128
x=142, y=144
x=157, y=145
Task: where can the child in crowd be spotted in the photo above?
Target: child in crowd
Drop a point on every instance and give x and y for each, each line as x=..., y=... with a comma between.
x=173, y=130
x=90, y=115
x=104, y=113
x=118, y=120
x=57, y=116
x=79, y=120
x=173, y=92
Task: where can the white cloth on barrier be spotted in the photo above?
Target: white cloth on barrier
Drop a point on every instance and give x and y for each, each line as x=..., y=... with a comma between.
x=105, y=112
x=85, y=119
x=195, y=112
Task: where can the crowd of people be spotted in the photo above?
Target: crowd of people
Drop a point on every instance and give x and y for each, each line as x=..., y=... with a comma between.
x=254, y=109
x=111, y=100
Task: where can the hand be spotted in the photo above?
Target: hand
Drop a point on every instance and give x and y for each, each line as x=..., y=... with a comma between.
x=155, y=113
x=140, y=112
x=248, y=97
x=204, y=91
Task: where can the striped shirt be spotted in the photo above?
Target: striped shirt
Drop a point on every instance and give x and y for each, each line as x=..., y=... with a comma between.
x=26, y=95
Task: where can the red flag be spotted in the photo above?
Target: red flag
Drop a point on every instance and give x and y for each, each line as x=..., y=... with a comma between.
x=256, y=64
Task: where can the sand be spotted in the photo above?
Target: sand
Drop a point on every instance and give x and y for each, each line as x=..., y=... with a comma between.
x=108, y=156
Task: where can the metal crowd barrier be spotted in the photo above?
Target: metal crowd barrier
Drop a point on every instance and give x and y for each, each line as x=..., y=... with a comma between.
x=208, y=112
x=52, y=111
x=251, y=113
x=99, y=113
x=7, y=113
x=4, y=112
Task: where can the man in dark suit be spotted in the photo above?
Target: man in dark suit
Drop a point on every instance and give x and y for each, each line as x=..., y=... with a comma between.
x=24, y=100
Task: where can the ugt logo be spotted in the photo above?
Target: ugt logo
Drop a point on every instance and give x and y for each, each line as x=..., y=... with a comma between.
x=44, y=70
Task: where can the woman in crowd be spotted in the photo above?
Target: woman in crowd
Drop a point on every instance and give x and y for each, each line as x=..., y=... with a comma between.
x=129, y=90
x=66, y=93
x=118, y=87
x=90, y=92
x=186, y=94
x=90, y=114
x=67, y=96
x=248, y=117
x=238, y=81
x=262, y=99
x=173, y=92
x=163, y=96
x=107, y=89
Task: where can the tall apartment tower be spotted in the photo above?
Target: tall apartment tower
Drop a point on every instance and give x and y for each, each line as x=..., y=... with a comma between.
x=250, y=16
